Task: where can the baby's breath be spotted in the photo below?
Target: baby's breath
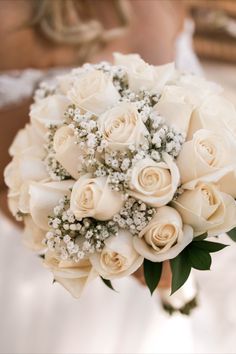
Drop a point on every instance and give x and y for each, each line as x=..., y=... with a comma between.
x=74, y=239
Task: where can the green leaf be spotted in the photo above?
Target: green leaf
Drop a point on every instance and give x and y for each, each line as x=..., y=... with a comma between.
x=180, y=268
x=199, y=258
x=208, y=246
x=232, y=234
x=42, y=256
x=152, y=274
x=108, y=283
x=200, y=237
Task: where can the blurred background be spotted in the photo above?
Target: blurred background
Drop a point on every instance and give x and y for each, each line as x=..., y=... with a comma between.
x=39, y=39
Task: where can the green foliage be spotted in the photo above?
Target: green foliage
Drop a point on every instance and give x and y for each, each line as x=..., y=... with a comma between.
x=152, y=274
x=196, y=255
x=232, y=234
x=108, y=283
x=180, y=268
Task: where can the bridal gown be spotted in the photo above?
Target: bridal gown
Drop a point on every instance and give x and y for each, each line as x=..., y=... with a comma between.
x=37, y=316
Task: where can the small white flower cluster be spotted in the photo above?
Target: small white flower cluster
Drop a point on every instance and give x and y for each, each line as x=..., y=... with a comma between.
x=163, y=138
x=118, y=74
x=75, y=240
x=44, y=89
x=134, y=216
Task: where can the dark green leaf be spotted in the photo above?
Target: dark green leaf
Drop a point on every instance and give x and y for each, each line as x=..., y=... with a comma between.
x=180, y=268
x=152, y=274
x=200, y=237
x=199, y=258
x=107, y=283
x=42, y=256
x=209, y=246
x=232, y=234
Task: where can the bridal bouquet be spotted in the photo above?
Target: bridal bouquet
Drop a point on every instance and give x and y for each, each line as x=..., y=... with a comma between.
x=125, y=165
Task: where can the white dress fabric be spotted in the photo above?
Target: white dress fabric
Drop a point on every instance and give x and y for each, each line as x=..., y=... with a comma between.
x=37, y=316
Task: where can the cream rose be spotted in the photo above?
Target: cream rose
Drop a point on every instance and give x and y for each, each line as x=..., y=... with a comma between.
x=68, y=152
x=48, y=111
x=93, y=197
x=94, y=92
x=122, y=126
x=206, y=209
x=44, y=197
x=215, y=113
x=198, y=88
x=175, y=106
x=26, y=166
x=205, y=154
x=73, y=276
x=27, y=137
x=164, y=237
x=32, y=235
x=118, y=258
x=154, y=182
x=142, y=76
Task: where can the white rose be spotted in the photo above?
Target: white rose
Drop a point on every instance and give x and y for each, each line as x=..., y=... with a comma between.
x=93, y=197
x=73, y=276
x=205, y=154
x=118, y=258
x=44, y=197
x=48, y=111
x=25, y=167
x=26, y=138
x=198, y=88
x=155, y=183
x=32, y=235
x=206, y=209
x=94, y=92
x=215, y=113
x=122, y=126
x=142, y=76
x=67, y=150
x=164, y=237
x=175, y=106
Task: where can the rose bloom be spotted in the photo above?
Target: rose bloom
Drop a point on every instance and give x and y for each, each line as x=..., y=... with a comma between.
x=43, y=197
x=215, y=113
x=68, y=152
x=197, y=87
x=73, y=276
x=205, y=154
x=122, y=126
x=27, y=165
x=93, y=197
x=32, y=235
x=141, y=75
x=118, y=258
x=154, y=183
x=164, y=237
x=175, y=106
x=206, y=208
x=48, y=111
x=94, y=92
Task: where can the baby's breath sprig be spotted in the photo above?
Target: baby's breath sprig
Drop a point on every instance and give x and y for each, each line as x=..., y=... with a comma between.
x=134, y=216
x=74, y=239
x=163, y=138
x=44, y=90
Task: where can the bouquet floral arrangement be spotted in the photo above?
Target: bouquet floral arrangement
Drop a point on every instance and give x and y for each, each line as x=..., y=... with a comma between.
x=125, y=165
